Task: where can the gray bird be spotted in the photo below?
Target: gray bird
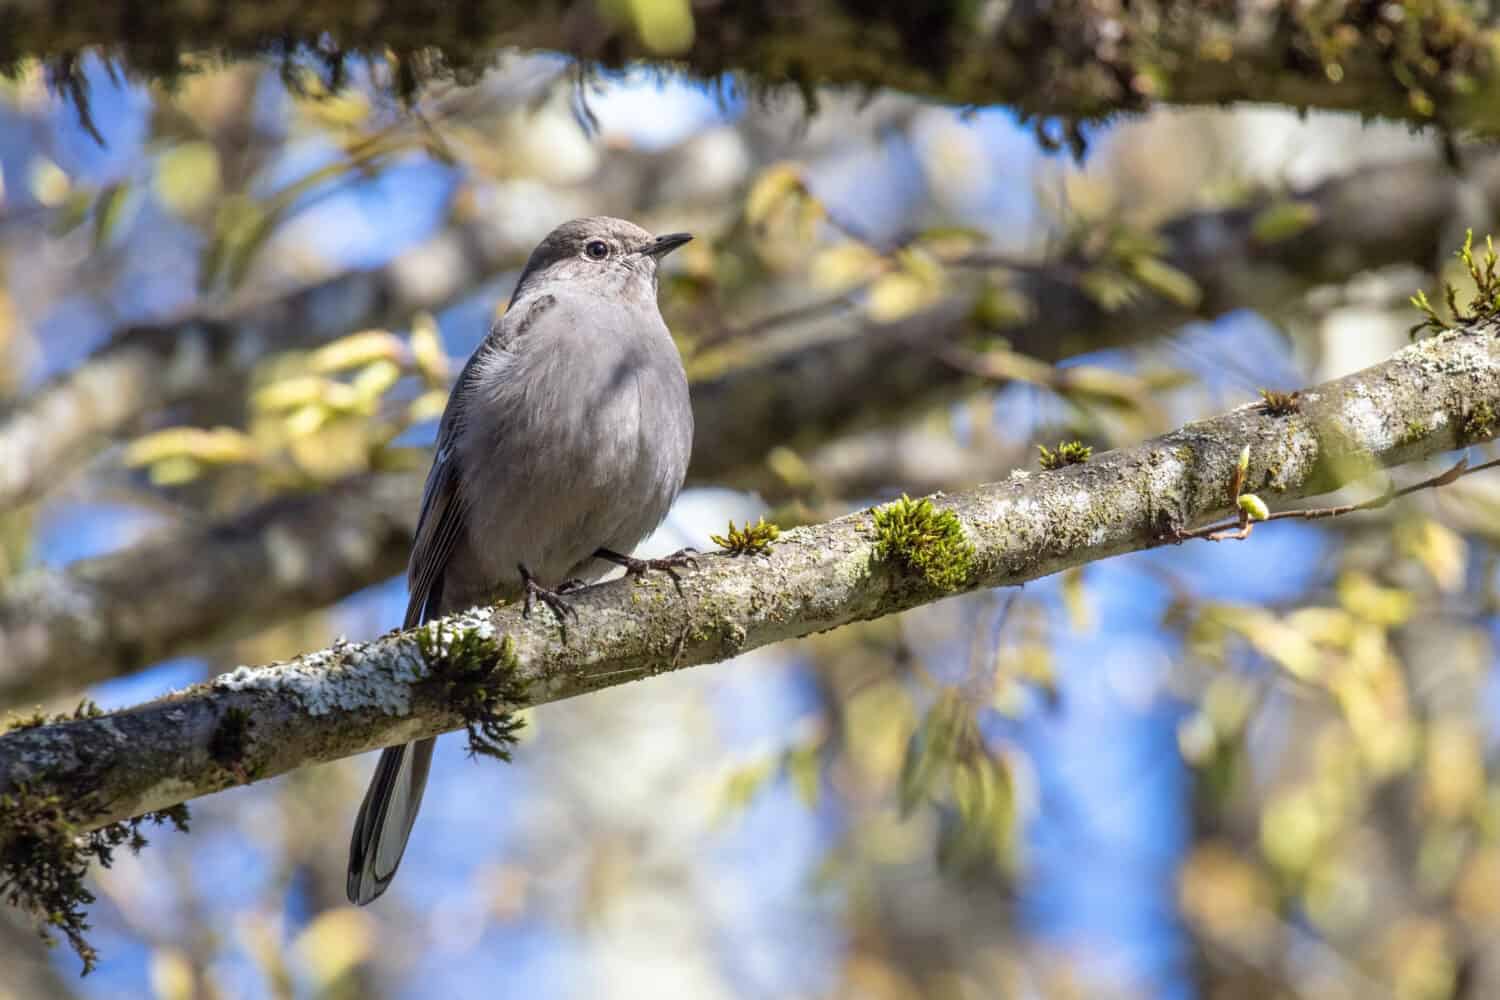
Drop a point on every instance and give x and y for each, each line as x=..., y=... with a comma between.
x=563, y=445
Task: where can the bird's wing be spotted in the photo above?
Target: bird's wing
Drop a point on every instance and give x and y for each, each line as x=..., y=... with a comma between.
x=442, y=519
x=440, y=524
x=395, y=794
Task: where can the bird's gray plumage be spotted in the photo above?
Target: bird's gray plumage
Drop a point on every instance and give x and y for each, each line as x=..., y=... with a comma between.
x=568, y=432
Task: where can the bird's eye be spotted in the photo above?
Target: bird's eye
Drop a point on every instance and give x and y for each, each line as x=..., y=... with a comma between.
x=597, y=249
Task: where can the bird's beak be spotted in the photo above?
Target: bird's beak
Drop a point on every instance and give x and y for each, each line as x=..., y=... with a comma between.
x=664, y=245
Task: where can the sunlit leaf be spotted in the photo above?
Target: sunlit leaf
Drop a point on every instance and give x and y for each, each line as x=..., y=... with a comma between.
x=1380, y=605
x=1167, y=281
x=335, y=942
x=803, y=769
x=427, y=350
x=1075, y=597
x=71, y=213
x=374, y=381
x=1282, y=220
x=355, y=350
x=1439, y=549
x=216, y=446
x=742, y=786
x=844, y=265
x=896, y=296
x=770, y=191
x=428, y=406
x=172, y=975
x=48, y=183
x=187, y=178
x=109, y=212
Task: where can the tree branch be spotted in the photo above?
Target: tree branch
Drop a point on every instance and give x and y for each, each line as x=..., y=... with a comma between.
x=104, y=617
x=255, y=723
x=63, y=629
x=1426, y=62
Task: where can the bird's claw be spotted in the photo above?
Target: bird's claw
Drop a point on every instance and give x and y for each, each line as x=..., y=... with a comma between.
x=559, y=607
x=681, y=559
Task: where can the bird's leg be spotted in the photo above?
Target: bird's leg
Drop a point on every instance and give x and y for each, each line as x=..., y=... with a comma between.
x=552, y=598
x=667, y=564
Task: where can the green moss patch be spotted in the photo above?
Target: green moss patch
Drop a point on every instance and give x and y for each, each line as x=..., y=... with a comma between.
x=927, y=541
x=749, y=540
x=479, y=679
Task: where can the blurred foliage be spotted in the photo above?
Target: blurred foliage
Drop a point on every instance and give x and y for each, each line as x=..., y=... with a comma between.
x=315, y=416
x=1341, y=798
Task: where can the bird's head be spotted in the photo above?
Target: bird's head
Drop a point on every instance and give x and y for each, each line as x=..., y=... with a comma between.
x=610, y=256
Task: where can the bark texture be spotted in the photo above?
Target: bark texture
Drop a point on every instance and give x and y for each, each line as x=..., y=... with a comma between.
x=254, y=723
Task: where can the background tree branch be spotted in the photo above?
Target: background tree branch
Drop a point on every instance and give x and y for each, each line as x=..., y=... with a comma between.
x=256, y=723
x=1428, y=62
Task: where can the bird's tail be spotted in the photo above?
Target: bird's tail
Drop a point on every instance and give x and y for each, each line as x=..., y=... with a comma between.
x=386, y=817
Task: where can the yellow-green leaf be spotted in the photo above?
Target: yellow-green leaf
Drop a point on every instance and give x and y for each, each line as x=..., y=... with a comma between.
x=1167, y=281
x=1254, y=506
x=770, y=191
x=1282, y=220
x=187, y=178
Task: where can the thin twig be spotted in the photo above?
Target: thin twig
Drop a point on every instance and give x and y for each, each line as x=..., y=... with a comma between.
x=1239, y=528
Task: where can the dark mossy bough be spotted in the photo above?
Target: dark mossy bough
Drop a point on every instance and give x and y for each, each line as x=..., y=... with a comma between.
x=928, y=541
x=46, y=856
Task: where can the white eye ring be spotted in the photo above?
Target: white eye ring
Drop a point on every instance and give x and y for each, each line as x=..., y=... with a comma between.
x=596, y=250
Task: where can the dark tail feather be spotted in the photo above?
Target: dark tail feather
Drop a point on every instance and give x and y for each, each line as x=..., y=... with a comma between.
x=386, y=817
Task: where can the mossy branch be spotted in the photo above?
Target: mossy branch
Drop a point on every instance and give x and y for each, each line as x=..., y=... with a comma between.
x=356, y=697
x=1065, y=61
x=63, y=628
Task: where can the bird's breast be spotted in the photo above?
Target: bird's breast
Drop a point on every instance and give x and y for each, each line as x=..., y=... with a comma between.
x=585, y=447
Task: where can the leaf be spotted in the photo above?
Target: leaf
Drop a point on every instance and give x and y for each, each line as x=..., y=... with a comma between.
x=1441, y=551
x=1282, y=220
x=427, y=350
x=70, y=214
x=771, y=189
x=896, y=296
x=374, y=381
x=930, y=751
x=186, y=179
x=49, y=183
x=742, y=786
x=1110, y=290
x=1364, y=598
x=355, y=350
x=336, y=941
x=664, y=26
x=844, y=266
x=1254, y=506
x=1167, y=281
x=218, y=446
x=109, y=210
x=803, y=770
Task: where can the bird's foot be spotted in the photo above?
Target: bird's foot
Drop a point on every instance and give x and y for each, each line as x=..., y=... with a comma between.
x=681, y=559
x=554, y=600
